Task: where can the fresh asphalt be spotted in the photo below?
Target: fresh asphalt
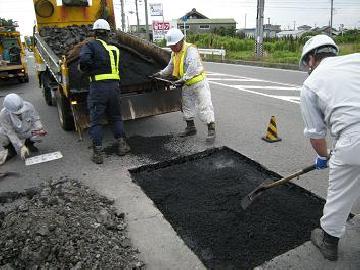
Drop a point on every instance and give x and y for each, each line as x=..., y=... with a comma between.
x=245, y=98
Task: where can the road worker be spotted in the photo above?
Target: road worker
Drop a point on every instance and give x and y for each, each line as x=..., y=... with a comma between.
x=100, y=61
x=330, y=99
x=185, y=65
x=20, y=128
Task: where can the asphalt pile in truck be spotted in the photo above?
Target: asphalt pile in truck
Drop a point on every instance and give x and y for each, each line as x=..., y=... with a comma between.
x=138, y=58
x=63, y=225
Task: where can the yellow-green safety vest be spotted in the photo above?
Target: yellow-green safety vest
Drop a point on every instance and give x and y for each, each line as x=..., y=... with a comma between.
x=114, y=75
x=193, y=80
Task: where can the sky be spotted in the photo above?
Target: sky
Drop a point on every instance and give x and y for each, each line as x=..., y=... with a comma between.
x=287, y=13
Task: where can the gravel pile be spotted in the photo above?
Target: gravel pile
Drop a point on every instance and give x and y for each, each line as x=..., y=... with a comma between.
x=63, y=225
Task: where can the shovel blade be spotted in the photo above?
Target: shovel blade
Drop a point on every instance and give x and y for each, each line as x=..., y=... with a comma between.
x=249, y=198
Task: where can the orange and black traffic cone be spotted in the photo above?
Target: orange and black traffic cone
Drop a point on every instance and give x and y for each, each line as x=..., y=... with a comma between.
x=271, y=132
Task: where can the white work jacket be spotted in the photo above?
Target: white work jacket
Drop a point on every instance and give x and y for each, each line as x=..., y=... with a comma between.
x=19, y=130
x=330, y=97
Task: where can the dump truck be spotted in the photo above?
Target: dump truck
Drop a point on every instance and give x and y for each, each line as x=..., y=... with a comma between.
x=62, y=28
x=12, y=53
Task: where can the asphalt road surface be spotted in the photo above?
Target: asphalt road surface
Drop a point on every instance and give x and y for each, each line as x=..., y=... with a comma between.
x=244, y=98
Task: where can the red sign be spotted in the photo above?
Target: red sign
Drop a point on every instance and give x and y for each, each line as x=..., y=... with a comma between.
x=161, y=25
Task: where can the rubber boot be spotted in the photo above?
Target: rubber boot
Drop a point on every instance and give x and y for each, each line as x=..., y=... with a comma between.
x=123, y=147
x=97, y=155
x=327, y=244
x=190, y=129
x=211, y=132
x=30, y=145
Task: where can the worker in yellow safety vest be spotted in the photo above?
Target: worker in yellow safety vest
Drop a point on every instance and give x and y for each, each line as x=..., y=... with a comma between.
x=186, y=66
x=100, y=61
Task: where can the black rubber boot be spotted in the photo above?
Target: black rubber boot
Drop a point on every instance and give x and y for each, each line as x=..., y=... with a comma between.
x=190, y=129
x=123, y=147
x=30, y=145
x=97, y=155
x=11, y=151
x=211, y=132
x=327, y=244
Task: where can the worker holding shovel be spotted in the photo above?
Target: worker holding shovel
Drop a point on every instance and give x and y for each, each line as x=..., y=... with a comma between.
x=185, y=65
x=20, y=128
x=330, y=99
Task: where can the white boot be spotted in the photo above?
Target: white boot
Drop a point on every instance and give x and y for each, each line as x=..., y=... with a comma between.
x=3, y=155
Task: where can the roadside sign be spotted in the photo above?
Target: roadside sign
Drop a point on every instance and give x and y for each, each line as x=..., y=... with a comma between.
x=156, y=9
x=160, y=29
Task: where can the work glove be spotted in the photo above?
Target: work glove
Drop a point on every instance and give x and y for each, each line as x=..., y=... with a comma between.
x=24, y=152
x=321, y=162
x=39, y=132
x=179, y=83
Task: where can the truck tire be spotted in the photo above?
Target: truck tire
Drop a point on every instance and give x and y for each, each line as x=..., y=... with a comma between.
x=24, y=79
x=66, y=118
x=48, y=97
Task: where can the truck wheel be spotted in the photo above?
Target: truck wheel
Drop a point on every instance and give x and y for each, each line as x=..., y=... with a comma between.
x=24, y=79
x=48, y=97
x=64, y=111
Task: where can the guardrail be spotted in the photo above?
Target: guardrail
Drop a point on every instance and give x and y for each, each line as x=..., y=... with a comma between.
x=205, y=52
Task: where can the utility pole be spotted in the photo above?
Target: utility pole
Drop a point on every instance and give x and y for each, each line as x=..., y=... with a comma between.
x=294, y=25
x=137, y=16
x=331, y=17
x=122, y=16
x=146, y=21
x=259, y=33
x=245, y=22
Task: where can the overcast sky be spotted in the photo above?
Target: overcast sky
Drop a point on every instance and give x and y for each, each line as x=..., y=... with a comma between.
x=283, y=12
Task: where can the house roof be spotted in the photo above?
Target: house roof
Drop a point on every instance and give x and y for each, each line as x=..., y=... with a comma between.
x=208, y=21
x=194, y=14
x=290, y=33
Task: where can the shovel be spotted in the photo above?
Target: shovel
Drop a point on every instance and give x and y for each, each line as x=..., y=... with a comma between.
x=4, y=174
x=267, y=184
x=161, y=79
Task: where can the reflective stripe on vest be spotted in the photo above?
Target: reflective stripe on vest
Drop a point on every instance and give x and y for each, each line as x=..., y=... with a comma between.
x=114, y=75
x=181, y=55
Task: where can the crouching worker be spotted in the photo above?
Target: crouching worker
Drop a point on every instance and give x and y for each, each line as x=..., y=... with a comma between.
x=20, y=128
x=185, y=65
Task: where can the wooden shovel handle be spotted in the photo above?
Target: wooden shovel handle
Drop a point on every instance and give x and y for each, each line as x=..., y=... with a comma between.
x=291, y=176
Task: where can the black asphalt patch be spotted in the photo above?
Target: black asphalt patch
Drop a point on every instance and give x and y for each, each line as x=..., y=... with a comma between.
x=200, y=195
x=153, y=148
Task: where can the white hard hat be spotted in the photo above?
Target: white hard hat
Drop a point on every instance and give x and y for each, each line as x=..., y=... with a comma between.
x=173, y=36
x=101, y=24
x=13, y=103
x=316, y=42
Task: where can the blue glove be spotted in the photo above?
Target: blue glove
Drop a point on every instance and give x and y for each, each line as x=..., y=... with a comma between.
x=321, y=162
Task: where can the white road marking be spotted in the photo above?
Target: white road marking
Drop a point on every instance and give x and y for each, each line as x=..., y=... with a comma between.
x=256, y=67
x=234, y=79
x=248, y=78
x=292, y=99
x=267, y=87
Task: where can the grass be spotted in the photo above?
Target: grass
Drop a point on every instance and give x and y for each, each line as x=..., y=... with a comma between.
x=287, y=50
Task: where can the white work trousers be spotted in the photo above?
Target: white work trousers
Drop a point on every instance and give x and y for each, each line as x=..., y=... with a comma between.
x=344, y=183
x=196, y=98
